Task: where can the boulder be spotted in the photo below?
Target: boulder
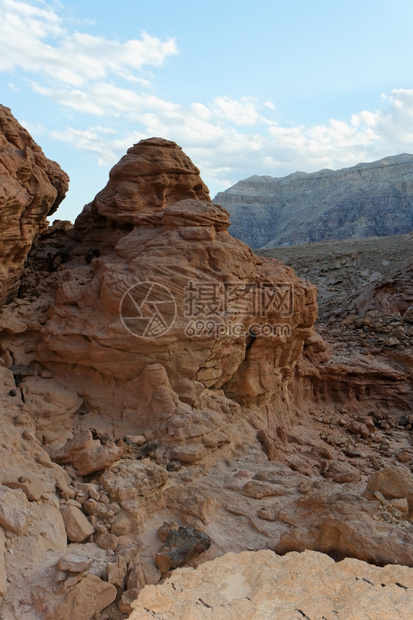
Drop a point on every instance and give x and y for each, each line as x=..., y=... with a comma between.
x=88, y=597
x=78, y=527
x=393, y=482
x=180, y=546
x=87, y=454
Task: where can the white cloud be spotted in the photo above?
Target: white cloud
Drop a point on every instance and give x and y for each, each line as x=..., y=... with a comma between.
x=95, y=140
x=243, y=112
x=36, y=40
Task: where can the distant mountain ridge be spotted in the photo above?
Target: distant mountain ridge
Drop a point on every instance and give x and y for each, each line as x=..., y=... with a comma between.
x=366, y=200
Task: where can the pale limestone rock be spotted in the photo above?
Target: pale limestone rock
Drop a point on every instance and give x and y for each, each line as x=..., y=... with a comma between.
x=78, y=527
x=14, y=510
x=252, y=585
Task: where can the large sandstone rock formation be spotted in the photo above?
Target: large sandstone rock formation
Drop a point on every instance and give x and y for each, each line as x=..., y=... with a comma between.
x=173, y=305
x=31, y=188
x=362, y=201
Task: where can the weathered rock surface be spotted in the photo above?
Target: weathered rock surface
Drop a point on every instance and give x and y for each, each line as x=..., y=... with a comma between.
x=154, y=349
x=363, y=201
x=252, y=585
x=85, y=600
x=31, y=188
x=87, y=454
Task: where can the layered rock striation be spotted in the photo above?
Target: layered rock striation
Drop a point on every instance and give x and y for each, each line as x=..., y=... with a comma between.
x=31, y=188
x=374, y=199
x=170, y=305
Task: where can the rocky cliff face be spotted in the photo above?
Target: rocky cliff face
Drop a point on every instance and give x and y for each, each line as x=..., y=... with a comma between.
x=363, y=201
x=31, y=188
x=165, y=399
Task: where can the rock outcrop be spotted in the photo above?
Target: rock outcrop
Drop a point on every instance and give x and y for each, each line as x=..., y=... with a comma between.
x=31, y=188
x=252, y=585
x=367, y=200
x=172, y=306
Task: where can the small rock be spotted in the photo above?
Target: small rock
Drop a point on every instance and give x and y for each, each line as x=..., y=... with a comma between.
x=403, y=456
x=180, y=547
x=401, y=504
x=358, y=428
x=151, y=574
x=346, y=477
x=78, y=528
x=257, y=489
x=71, y=565
x=93, y=492
x=107, y=541
x=166, y=528
x=188, y=453
x=85, y=600
x=268, y=514
x=393, y=482
x=128, y=597
x=137, y=440
x=117, y=571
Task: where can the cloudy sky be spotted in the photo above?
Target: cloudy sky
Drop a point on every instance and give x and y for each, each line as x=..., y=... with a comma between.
x=244, y=86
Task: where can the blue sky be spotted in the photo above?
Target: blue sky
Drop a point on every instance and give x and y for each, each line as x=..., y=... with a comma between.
x=245, y=87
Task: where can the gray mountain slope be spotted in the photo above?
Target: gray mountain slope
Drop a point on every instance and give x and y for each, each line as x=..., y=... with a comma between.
x=370, y=199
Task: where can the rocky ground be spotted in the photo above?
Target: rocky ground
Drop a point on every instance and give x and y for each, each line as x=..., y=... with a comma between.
x=341, y=270
x=126, y=457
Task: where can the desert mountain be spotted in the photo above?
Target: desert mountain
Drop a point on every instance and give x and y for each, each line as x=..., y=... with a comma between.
x=168, y=397
x=367, y=200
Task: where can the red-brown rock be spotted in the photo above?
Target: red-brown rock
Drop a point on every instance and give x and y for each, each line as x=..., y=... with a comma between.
x=31, y=188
